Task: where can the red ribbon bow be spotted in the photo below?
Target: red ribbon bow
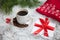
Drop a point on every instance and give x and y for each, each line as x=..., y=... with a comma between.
x=44, y=27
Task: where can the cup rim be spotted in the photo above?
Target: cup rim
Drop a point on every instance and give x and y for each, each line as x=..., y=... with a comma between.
x=23, y=10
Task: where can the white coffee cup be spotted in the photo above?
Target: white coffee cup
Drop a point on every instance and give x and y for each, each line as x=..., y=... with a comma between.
x=23, y=18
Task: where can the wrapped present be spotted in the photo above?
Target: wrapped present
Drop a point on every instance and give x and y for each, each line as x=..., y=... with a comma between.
x=44, y=27
x=8, y=20
x=50, y=9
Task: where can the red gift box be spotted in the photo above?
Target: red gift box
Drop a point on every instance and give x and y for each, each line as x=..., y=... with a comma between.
x=50, y=9
x=8, y=20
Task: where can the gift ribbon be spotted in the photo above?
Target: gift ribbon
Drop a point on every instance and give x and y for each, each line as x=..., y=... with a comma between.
x=44, y=27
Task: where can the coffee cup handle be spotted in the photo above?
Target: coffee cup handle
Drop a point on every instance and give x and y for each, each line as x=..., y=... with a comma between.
x=29, y=20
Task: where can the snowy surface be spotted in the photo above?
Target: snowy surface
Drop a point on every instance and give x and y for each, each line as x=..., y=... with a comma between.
x=10, y=32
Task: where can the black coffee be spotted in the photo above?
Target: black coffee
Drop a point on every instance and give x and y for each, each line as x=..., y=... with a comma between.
x=22, y=13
